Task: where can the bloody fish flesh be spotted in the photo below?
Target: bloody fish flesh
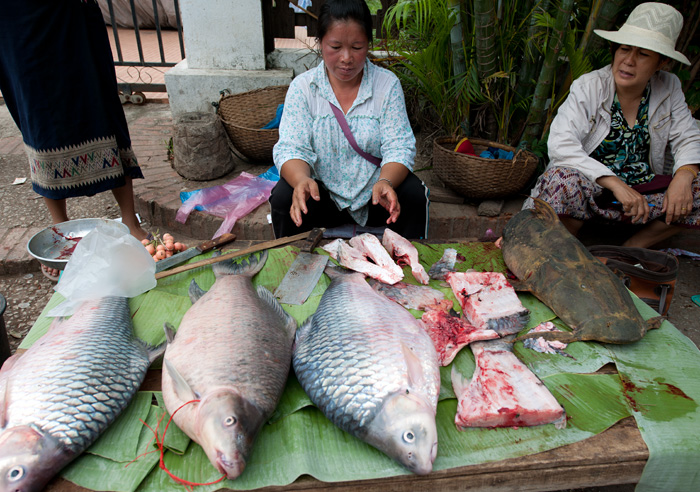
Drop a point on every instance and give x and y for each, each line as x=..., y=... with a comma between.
x=449, y=332
x=404, y=253
x=503, y=392
x=355, y=258
x=552, y=264
x=488, y=301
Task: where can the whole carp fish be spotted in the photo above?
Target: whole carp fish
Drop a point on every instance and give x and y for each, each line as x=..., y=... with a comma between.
x=371, y=368
x=66, y=389
x=552, y=264
x=232, y=353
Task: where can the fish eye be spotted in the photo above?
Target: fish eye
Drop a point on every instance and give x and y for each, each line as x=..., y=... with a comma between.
x=409, y=436
x=230, y=420
x=15, y=473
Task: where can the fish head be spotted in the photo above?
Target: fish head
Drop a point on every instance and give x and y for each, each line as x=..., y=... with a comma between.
x=227, y=424
x=405, y=430
x=28, y=459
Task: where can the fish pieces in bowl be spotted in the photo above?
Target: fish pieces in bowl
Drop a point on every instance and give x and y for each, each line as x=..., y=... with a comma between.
x=54, y=245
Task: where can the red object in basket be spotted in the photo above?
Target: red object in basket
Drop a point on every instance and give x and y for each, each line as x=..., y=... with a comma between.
x=464, y=146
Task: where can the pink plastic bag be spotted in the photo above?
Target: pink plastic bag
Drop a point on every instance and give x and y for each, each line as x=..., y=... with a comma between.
x=232, y=200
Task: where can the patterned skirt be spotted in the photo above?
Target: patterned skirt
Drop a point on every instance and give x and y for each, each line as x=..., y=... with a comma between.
x=58, y=81
x=571, y=194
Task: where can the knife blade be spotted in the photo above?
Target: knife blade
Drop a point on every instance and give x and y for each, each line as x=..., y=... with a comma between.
x=304, y=273
x=204, y=247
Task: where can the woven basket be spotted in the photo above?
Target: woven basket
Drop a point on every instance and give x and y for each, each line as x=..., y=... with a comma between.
x=478, y=177
x=243, y=115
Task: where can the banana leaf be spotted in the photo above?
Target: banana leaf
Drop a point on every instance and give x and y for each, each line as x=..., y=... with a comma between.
x=300, y=440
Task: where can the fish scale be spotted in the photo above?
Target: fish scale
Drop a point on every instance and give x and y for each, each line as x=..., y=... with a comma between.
x=351, y=359
x=67, y=388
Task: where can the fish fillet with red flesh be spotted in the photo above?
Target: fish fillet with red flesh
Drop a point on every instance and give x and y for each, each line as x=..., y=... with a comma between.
x=449, y=332
x=488, y=301
x=404, y=253
x=503, y=392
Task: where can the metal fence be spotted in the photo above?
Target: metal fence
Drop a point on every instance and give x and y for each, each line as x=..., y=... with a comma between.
x=131, y=22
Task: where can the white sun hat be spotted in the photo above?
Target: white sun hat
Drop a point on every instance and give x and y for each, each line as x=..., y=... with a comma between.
x=652, y=26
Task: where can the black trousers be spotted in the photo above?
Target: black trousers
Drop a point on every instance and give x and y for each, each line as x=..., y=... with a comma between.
x=411, y=224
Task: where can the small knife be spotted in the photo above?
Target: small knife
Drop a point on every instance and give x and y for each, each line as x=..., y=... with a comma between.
x=204, y=247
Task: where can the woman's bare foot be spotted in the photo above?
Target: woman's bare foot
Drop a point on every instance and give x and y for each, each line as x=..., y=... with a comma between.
x=50, y=273
x=135, y=228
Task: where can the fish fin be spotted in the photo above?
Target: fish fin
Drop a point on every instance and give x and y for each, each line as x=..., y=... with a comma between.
x=248, y=267
x=195, y=292
x=266, y=296
x=183, y=390
x=413, y=364
x=655, y=322
x=459, y=382
x=545, y=211
x=303, y=329
x=154, y=351
x=169, y=332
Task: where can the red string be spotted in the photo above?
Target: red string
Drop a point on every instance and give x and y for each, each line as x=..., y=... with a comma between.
x=160, y=442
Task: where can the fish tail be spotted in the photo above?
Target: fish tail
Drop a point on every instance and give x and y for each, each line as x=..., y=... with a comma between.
x=507, y=325
x=248, y=267
x=544, y=210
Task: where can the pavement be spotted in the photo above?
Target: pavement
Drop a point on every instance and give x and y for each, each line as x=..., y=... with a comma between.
x=158, y=200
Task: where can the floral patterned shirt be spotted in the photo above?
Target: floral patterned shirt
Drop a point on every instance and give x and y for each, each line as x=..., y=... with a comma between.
x=626, y=150
x=377, y=118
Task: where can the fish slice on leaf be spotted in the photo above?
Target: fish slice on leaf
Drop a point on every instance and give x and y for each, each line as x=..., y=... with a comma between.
x=232, y=352
x=449, y=332
x=382, y=268
x=408, y=295
x=66, y=389
x=585, y=294
x=371, y=368
x=445, y=265
x=503, y=392
x=404, y=253
x=489, y=301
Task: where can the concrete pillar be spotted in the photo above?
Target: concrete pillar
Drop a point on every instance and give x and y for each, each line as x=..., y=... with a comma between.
x=225, y=50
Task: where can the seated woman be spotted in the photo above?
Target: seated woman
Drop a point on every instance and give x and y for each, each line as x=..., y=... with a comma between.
x=608, y=142
x=324, y=181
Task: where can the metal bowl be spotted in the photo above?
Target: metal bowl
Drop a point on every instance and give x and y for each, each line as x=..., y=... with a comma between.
x=54, y=245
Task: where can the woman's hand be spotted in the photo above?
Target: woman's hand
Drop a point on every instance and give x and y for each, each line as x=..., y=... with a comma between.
x=304, y=189
x=383, y=194
x=634, y=204
x=678, y=200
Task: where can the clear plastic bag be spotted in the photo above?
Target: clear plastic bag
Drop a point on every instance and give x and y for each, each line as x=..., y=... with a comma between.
x=231, y=200
x=108, y=261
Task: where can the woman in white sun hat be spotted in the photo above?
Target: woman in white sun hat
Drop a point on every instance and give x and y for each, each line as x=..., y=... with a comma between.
x=624, y=146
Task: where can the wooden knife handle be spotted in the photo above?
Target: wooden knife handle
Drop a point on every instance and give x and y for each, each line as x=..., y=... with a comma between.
x=315, y=236
x=225, y=238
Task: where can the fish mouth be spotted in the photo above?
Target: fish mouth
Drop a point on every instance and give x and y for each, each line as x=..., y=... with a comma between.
x=232, y=468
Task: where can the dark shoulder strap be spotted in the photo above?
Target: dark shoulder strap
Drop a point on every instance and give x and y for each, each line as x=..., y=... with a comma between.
x=348, y=134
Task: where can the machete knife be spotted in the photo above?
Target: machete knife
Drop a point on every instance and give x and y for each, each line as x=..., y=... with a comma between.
x=204, y=247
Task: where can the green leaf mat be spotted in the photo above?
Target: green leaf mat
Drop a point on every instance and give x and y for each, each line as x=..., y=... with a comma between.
x=657, y=384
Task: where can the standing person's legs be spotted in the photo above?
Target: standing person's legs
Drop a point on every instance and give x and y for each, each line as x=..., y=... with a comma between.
x=125, y=199
x=58, y=211
x=322, y=213
x=413, y=200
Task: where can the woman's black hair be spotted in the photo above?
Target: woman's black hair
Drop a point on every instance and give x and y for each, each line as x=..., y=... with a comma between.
x=343, y=10
x=614, y=47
